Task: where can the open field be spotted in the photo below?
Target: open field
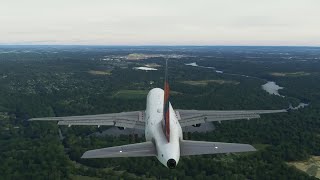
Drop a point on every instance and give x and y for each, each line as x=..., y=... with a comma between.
x=292, y=74
x=4, y=116
x=93, y=72
x=206, y=82
x=131, y=94
x=311, y=166
x=153, y=65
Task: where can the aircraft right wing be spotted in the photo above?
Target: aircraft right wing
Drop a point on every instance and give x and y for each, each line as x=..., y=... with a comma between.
x=130, y=150
x=188, y=148
x=192, y=117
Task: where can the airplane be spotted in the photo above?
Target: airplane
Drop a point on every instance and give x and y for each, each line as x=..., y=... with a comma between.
x=163, y=132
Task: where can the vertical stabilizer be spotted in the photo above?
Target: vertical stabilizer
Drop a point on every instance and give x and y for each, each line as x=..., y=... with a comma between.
x=166, y=113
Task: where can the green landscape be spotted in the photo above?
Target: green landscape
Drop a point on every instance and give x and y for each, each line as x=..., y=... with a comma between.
x=43, y=81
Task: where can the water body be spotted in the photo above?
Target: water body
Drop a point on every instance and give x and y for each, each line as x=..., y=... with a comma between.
x=194, y=64
x=272, y=88
x=145, y=68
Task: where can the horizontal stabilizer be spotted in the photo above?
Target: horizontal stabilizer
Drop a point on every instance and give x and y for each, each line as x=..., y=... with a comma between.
x=131, y=150
x=189, y=148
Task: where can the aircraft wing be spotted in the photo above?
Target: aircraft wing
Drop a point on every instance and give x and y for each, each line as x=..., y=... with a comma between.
x=134, y=119
x=192, y=117
x=131, y=150
x=188, y=148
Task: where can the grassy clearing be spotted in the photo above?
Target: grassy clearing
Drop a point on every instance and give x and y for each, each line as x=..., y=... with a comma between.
x=138, y=56
x=4, y=116
x=311, y=166
x=131, y=94
x=175, y=93
x=293, y=74
x=153, y=65
x=206, y=82
x=93, y=72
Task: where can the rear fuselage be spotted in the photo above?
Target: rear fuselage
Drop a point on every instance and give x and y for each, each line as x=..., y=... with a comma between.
x=168, y=153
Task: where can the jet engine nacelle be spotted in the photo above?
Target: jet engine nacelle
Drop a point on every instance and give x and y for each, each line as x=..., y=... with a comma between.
x=196, y=125
x=121, y=128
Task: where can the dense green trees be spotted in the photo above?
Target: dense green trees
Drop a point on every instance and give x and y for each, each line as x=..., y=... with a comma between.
x=58, y=84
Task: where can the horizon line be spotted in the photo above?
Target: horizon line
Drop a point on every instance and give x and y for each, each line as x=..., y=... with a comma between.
x=160, y=45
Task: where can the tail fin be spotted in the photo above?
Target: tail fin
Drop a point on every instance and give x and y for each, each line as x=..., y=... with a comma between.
x=166, y=113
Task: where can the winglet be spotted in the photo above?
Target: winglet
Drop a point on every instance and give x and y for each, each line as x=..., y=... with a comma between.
x=166, y=113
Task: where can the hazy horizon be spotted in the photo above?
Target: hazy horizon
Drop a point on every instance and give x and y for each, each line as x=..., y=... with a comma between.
x=160, y=23
x=155, y=45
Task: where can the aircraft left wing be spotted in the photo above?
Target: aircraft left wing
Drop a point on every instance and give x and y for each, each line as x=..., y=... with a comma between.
x=192, y=117
x=134, y=119
x=131, y=150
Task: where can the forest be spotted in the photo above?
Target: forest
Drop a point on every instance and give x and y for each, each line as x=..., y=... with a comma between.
x=42, y=81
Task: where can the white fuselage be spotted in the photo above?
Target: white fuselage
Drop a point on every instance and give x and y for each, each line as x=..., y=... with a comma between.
x=166, y=151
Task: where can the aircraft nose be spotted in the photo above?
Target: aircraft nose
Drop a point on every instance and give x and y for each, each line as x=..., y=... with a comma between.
x=171, y=163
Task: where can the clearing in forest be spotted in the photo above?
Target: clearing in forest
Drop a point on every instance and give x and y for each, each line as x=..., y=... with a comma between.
x=206, y=82
x=311, y=166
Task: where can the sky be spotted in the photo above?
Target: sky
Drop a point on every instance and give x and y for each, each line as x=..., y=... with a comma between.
x=160, y=22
